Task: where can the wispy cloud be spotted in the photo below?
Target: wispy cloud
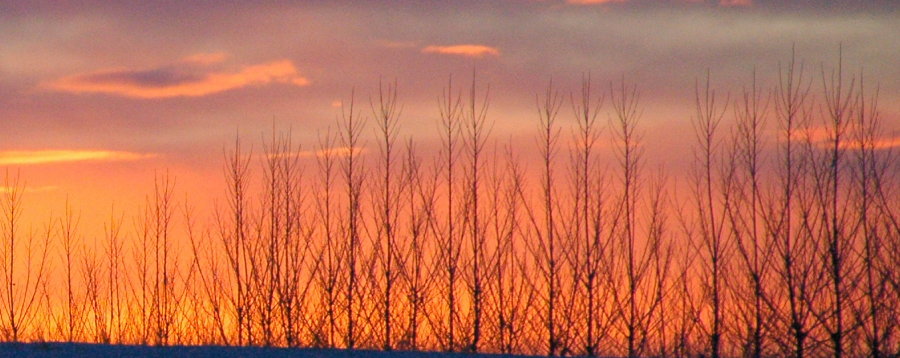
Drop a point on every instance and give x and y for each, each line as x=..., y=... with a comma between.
x=592, y=2
x=467, y=50
x=727, y=3
x=822, y=138
x=335, y=151
x=398, y=44
x=26, y=157
x=189, y=78
x=877, y=144
x=206, y=58
x=736, y=2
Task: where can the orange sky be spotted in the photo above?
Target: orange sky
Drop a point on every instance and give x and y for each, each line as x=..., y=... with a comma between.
x=95, y=100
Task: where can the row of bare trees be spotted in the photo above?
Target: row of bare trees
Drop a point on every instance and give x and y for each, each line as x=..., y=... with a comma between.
x=782, y=239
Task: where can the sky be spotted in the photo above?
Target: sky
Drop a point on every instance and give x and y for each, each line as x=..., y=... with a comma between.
x=98, y=97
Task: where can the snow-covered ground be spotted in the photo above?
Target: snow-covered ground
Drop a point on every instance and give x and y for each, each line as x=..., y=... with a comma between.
x=70, y=350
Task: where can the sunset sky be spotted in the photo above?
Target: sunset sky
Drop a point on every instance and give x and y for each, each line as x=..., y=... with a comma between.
x=97, y=97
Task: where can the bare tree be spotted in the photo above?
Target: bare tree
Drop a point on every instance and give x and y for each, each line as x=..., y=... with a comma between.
x=288, y=241
x=233, y=232
x=210, y=296
x=20, y=285
x=752, y=246
x=712, y=200
x=788, y=246
x=869, y=173
x=72, y=316
x=633, y=300
x=114, y=272
x=662, y=249
x=330, y=255
x=94, y=314
x=416, y=273
x=793, y=269
x=449, y=237
x=352, y=170
x=835, y=230
x=545, y=244
x=475, y=137
x=589, y=219
x=386, y=112
x=515, y=293
x=158, y=221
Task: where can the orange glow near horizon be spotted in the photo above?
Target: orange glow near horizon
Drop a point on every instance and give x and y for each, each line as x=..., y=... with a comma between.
x=6, y=189
x=229, y=169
